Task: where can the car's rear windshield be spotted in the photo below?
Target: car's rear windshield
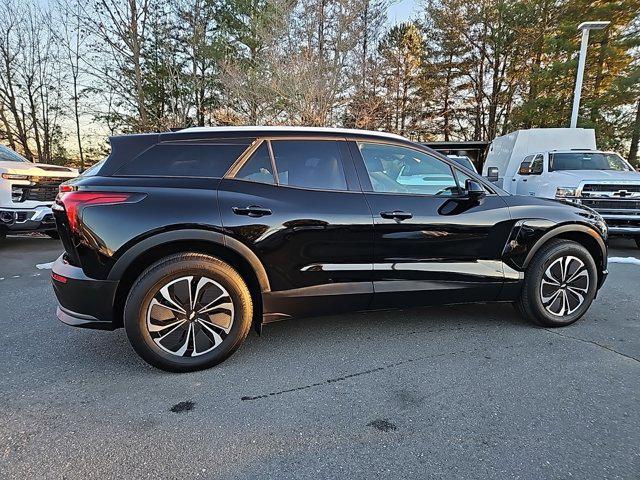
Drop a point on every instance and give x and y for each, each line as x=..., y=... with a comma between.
x=588, y=161
x=182, y=159
x=93, y=169
x=8, y=155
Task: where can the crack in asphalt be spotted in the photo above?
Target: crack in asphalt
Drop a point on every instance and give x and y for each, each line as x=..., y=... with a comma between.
x=363, y=372
x=593, y=342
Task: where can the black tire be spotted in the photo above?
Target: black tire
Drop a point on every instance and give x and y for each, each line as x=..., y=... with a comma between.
x=53, y=234
x=530, y=304
x=174, y=270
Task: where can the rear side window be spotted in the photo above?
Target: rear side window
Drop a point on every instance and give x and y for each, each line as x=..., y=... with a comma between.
x=309, y=164
x=184, y=160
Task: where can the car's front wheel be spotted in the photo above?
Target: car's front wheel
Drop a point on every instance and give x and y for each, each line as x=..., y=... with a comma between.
x=188, y=312
x=560, y=284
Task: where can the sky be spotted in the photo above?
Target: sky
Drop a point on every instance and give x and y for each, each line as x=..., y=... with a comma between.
x=402, y=10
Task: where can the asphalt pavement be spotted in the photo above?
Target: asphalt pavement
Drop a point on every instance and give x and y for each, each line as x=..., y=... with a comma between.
x=453, y=392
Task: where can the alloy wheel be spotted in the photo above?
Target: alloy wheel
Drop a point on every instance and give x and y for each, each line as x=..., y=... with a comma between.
x=564, y=286
x=190, y=316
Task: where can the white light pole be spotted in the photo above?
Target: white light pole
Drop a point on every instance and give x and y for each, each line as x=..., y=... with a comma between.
x=585, y=27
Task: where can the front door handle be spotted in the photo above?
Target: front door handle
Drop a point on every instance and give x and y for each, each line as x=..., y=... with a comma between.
x=396, y=215
x=252, y=211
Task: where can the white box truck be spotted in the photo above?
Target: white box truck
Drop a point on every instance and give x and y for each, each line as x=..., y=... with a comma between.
x=565, y=164
x=27, y=191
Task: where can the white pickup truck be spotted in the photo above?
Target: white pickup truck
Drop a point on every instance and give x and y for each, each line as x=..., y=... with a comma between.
x=563, y=163
x=27, y=191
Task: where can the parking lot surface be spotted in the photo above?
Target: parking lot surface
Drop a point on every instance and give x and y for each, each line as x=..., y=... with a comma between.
x=453, y=392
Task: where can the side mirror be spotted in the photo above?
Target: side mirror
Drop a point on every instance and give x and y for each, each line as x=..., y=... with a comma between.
x=492, y=174
x=474, y=189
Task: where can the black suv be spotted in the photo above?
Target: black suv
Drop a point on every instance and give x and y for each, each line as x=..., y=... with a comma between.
x=189, y=238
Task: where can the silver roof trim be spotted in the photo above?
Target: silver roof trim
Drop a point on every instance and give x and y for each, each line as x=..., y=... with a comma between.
x=271, y=128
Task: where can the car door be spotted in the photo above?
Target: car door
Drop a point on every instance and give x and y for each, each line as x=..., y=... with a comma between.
x=432, y=243
x=296, y=203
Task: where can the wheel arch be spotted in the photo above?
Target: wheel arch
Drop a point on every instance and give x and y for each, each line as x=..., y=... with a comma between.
x=140, y=256
x=579, y=233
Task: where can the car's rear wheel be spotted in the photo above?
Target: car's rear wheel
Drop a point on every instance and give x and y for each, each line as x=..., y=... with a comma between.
x=560, y=284
x=188, y=312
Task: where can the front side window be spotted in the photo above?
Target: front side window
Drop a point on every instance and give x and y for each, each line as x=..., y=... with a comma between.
x=184, y=160
x=536, y=165
x=258, y=168
x=312, y=164
x=588, y=161
x=525, y=166
x=395, y=169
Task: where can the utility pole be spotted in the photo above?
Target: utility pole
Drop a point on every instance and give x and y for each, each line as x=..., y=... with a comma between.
x=585, y=27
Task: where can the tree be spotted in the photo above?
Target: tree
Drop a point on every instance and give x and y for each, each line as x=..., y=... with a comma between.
x=401, y=51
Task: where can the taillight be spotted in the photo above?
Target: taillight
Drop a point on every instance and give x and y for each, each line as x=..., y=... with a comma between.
x=73, y=201
x=59, y=278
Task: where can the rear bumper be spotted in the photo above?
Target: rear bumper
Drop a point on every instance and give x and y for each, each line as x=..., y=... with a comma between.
x=84, y=301
x=75, y=319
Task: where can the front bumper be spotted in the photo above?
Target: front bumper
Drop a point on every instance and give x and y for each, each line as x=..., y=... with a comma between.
x=84, y=301
x=15, y=220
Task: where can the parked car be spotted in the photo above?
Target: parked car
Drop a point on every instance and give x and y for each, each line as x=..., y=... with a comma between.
x=187, y=239
x=27, y=191
x=563, y=163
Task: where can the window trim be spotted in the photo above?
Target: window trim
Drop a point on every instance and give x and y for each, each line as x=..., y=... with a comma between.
x=368, y=187
x=235, y=168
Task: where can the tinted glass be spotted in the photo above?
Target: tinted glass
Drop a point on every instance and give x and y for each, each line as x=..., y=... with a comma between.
x=309, y=164
x=93, y=169
x=258, y=168
x=180, y=160
x=8, y=155
x=396, y=169
x=588, y=161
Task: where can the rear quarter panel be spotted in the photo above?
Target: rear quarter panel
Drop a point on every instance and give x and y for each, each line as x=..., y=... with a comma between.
x=107, y=231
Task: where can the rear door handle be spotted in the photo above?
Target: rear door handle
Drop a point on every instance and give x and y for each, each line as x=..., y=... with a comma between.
x=252, y=211
x=396, y=215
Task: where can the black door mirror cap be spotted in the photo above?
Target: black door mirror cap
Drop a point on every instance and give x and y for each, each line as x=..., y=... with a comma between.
x=474, y=189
